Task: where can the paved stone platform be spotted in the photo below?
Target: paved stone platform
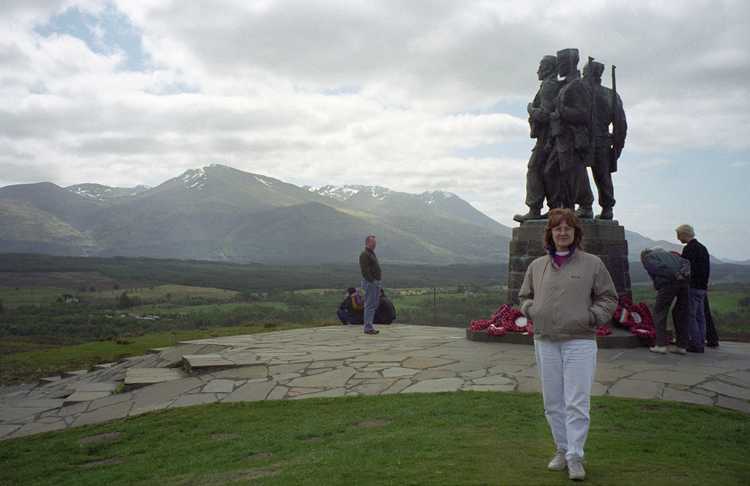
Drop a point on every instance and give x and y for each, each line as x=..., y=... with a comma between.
x=342, y=361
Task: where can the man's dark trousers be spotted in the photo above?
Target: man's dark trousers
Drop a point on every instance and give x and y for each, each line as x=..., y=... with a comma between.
x=678, y=292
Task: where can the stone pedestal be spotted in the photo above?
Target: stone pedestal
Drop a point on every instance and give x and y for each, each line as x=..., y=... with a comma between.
x=605, y=239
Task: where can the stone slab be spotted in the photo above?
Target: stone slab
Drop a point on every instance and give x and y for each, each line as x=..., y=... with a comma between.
x=494, y=380
x=85, y=396
x=331, y=379
x=194, y=399
x=722, y=388
x=422, y=363
x=433, y=386
x=734, y=404
x=38, y=403
x=110, y=400
x=193, y=362
x=6, y=430
x=104, y=414
x=398, y=372
x=636, y=389
x=147, y=376
x=666, y=376
x=39, y=428
x=242, y=372
x=335, y=392
x=251, y=392
x=95, y=387
x=160, y=395
x=219, y=386
x=686, y=396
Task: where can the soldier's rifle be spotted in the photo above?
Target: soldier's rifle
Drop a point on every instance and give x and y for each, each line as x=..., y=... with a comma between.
x=613, y=150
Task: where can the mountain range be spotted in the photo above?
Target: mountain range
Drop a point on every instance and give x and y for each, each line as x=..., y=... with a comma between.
x=221, y=213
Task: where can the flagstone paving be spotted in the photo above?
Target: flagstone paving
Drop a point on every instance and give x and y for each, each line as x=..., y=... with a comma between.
x=343, y=361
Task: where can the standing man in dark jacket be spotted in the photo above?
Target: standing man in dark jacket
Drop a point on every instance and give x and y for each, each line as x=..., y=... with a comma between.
x=670, y=275
x=368, y=264
x=700, y=270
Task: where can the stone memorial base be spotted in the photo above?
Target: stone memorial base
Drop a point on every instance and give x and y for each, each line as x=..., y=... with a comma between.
x=605, y=239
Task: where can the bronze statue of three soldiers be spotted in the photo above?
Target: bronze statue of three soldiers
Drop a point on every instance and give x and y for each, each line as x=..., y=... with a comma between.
x=570, y=118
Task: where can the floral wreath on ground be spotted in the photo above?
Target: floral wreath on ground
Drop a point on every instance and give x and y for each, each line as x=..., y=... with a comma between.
x=504, y=320
x=507, y=319
x=636, y=318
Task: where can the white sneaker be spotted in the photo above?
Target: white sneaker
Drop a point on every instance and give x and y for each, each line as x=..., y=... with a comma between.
x=576, y=472
x=658, y=349
x=558, y=462
x=677, y=350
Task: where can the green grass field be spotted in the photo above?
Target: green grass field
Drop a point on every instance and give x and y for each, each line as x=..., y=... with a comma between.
x=464, y=438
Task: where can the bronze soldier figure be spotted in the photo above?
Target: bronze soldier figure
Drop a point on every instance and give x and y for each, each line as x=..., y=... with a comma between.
x=541, y=183
x=569, y=129
x=606, y=146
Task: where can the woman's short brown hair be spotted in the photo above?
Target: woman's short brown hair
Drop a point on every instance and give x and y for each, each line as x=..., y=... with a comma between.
x=557, y=216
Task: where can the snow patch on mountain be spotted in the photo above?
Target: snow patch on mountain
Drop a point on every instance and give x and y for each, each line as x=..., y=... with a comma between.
x=195, y=178
x=99, y=192
x=264, y=181
x=339, y=193
x=344, y=193
x=431, y=197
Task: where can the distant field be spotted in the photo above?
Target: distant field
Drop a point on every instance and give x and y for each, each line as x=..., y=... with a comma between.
x=146, y=297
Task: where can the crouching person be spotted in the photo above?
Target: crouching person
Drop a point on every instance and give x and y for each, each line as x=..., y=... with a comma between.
x=351, y=309
x=670, y=274
x=386, y=312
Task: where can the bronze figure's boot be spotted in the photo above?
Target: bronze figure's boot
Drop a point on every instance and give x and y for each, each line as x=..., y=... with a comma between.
x=605, y=214
x=532, y=214
x=585, y=212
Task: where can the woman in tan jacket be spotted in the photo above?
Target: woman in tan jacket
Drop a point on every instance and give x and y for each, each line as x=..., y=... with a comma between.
x=567, y=294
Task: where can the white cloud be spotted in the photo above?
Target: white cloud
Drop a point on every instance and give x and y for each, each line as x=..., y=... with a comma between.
x=253, y=85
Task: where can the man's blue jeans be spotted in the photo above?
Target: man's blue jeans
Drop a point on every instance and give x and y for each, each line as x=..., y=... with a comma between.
x=697, y=320
x=372, y=299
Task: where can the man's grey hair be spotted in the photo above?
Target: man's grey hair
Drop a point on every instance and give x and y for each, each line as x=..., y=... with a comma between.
x=368, y=238
x=686, y=229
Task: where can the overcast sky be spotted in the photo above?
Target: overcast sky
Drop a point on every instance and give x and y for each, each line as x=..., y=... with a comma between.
x=410, y=95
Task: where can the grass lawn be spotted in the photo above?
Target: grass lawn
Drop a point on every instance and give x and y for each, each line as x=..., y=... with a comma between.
x=29, y=366
x=465, y=438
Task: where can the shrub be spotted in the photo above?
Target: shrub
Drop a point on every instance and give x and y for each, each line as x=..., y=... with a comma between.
x=124, y=301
